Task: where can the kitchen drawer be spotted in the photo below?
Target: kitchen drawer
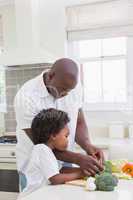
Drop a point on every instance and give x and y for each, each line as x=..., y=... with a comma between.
x=7, y=151
x=8, y=165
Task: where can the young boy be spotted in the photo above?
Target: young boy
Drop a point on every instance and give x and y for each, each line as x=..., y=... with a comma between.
x=49, y=132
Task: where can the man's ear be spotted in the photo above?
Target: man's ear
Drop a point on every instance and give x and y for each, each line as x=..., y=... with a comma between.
x=51, y=75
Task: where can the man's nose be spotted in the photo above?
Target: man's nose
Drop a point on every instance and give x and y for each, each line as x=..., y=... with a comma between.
x=64, y=94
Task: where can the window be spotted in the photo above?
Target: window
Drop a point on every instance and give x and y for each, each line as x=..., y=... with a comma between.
x=104, y=67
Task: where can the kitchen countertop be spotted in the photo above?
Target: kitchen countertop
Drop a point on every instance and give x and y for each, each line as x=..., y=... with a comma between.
x=124, y=191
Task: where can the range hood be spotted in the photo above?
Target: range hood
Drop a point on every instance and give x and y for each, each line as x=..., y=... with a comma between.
x=27, y=47
x=25, y=56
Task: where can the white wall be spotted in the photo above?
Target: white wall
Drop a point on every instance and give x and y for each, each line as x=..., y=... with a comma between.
x=52, y=23
x=9, y=27
x=20, y=35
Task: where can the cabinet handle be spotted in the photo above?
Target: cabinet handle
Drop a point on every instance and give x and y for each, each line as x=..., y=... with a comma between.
x=12, y=153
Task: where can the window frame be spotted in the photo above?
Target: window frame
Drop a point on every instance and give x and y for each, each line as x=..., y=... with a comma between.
x=103, y=106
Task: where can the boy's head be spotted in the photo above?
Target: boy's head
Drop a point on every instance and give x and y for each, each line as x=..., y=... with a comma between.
x=50, y=127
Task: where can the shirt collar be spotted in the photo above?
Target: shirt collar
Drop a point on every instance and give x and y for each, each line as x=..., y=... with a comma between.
x=43, y=92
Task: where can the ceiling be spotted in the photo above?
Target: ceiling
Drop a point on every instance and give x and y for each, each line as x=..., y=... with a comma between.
x=65, y=2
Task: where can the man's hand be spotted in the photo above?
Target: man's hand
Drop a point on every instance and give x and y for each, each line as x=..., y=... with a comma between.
x=95, y=157
x=95, y=153
x=89, y=165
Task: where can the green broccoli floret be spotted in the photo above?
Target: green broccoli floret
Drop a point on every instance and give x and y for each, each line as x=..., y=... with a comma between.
x=107, y=166
x=106, y=181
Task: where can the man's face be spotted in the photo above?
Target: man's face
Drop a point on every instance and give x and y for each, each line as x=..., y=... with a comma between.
x=60, y=87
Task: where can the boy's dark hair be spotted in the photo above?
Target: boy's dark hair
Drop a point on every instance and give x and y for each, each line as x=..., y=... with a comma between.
x=46, y=123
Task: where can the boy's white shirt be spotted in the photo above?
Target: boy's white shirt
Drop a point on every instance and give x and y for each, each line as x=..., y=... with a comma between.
x=41, y=166
x=29, y=101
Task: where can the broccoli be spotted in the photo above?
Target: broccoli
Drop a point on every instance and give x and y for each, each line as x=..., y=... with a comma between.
x=106, y=181
x=107, y=166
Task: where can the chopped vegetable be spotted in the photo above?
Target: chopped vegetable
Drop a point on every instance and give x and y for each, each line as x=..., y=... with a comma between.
x=91, y=180
x=116, y=165
x=108, y=166
x=122, y=176
x=106, y=181
x=90, y=184
x=128, y=169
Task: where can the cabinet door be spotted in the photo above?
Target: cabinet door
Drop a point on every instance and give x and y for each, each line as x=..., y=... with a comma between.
x=9, y=181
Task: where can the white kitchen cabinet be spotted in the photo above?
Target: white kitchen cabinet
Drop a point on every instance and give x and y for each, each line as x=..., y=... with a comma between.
x=8, y=173
x=7, y=156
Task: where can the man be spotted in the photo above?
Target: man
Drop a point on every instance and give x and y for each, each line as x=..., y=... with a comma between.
x=57, y=88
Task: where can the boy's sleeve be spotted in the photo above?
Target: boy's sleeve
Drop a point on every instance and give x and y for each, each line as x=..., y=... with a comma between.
x=48, y=163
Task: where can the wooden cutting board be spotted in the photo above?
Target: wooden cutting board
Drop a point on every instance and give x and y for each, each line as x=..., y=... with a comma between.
x=78, y=182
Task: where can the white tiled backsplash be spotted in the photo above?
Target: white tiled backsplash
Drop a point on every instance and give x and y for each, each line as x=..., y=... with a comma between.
x=15, y=77
x=2, y=124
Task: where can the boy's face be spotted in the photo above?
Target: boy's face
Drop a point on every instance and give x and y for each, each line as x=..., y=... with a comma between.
x=60, y=140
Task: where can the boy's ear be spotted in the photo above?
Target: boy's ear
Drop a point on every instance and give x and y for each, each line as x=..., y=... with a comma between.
x=53, y=137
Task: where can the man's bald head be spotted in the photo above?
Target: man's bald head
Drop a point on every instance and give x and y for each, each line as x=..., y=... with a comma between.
x=65, y=67
x=62, y=77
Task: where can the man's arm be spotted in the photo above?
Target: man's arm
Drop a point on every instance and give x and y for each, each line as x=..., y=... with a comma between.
x=82, y=134
x=82, y=138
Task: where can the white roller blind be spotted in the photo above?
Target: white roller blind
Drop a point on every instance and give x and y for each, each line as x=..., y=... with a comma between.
x=100, y=17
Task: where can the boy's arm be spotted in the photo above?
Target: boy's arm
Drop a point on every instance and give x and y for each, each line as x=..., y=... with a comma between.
x=64, y=177
x=69, y=170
